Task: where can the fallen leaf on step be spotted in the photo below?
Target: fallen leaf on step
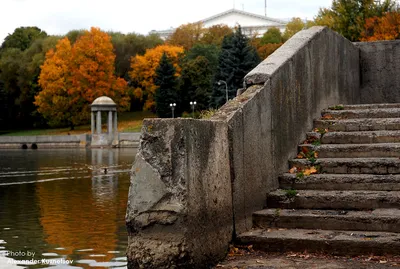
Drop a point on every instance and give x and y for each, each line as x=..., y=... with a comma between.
x=310, y=171
x=293, y=170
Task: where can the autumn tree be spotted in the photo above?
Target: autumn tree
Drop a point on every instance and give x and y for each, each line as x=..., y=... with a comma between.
x=382, y=28
x=266, y=50
x=186, y=35
x=144, y=68
x=348, y=17
x=236, y=59
x=73, y=76
x=215, y=34
x=54, y=101
x=166, y=83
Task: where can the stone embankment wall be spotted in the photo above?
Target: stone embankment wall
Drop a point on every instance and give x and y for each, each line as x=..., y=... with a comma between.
x=195, y=183
x=44, y=141
x=311, y=71
x=380, y=71
x=125, y=140
x=128, y=140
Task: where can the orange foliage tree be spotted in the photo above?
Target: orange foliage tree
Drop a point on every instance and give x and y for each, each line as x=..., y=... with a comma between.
x=144, y=69
x=263, y=50
x=386, y=27
x=186, y=35
x=72, y=77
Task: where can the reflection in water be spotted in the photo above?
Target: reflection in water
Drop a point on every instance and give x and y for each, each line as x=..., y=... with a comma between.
x=65, y=204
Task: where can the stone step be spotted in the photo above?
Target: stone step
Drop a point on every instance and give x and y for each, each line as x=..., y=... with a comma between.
x=379, y=166
x=361, y=113
x=346, y=200
x=342, y=182
x=370, y=106
x=326, y=241
x=351, y=125
x=382, y=220
x=353, y=150
x=365, y=137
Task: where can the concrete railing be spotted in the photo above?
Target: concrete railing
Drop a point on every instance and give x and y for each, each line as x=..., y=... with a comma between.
x=380, y=71
x=195, y=183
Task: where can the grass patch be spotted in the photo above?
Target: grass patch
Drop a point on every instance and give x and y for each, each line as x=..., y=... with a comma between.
x=290, y=193
x=337, y=107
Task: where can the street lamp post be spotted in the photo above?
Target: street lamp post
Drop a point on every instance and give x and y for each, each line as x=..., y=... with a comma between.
x=173, y=105
x=226, y=88
x=193, y=105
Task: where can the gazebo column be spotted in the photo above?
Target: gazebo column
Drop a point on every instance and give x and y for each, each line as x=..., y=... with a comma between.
x=93, y=122
x=115, y=122
x=110, y=122
x=98, y=122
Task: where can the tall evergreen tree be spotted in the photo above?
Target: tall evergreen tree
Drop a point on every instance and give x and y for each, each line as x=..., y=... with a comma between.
x=166, y=87
x=237, y=58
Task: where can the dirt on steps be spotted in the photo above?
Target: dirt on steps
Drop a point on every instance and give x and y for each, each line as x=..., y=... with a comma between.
x=250, y=259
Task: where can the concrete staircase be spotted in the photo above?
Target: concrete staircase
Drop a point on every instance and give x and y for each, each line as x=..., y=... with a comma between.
x=343, y=193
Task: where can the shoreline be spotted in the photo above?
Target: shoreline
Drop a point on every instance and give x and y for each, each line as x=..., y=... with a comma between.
x=124, y=140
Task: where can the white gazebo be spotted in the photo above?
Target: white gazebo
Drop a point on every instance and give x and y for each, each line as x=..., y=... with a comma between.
x=107, y=105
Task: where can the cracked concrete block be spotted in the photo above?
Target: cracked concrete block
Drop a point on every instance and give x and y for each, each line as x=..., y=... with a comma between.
x=179, y=211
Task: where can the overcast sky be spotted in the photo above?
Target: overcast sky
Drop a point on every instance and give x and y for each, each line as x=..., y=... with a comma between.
x=140, y=16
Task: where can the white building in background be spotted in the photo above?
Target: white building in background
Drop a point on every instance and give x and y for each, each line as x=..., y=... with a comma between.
x=251, y=23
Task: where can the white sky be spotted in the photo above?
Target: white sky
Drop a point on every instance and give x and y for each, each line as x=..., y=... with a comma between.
x=140, y=16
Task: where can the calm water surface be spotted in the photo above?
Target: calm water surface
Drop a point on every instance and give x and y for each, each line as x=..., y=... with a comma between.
x=61, y=205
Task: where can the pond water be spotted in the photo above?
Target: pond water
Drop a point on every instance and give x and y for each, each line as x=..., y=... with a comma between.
x=64, y=208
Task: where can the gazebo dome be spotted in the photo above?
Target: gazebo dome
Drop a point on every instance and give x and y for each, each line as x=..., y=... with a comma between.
x=103, y=100
x=104, y=103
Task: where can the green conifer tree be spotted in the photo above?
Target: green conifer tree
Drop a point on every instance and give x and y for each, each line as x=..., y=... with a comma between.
x=237, y=58
x=166, y=87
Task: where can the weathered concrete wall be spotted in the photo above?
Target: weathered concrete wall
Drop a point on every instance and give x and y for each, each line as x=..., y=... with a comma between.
x=380, y=71
x=313, y=70
x=180, y=205
x=45, y=141
x=194, y=182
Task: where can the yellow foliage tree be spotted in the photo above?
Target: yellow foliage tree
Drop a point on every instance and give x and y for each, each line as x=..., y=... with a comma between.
x=144, y=69
x=72, y=77
x=54, y=101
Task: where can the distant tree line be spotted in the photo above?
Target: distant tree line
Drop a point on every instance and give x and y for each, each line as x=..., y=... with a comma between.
x=51, y=80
